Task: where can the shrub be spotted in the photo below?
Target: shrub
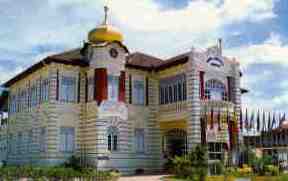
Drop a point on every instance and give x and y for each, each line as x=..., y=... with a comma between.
x=52, y=173
x=271, y=170
x=73, y=162
x=243, y=172
x=193, y=166
x=260, y=164
x=220, y=169
x=169, y=166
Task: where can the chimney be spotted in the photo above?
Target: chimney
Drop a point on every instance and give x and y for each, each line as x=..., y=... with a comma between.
x=220, y=46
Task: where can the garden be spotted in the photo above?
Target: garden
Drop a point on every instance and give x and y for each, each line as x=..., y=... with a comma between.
x=69, y=171
x=194, y=167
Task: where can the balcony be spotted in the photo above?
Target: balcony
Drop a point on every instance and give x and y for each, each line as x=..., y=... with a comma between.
x=216, y=103
x=173, y=111
x=173, y=107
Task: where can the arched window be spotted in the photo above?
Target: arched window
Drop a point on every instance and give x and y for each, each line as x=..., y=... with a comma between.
x=215, y=90
x=112, y=138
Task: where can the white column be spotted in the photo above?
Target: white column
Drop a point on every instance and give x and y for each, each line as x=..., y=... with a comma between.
x=193, y=106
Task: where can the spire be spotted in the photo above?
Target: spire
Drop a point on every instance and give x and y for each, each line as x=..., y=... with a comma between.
x=106, y=9
x=219, y=45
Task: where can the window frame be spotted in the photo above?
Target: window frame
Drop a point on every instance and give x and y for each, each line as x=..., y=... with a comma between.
x=66, y=147
x=112, y=143
x=217, y=86
x=173, y=89
x=140, y=144
x=70, y=83
x=138, y=91
x=113, y=87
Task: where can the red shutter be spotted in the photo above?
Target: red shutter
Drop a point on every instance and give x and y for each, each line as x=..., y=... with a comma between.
x=86, y=87
x=202, y=88
x=121, y=97
x=130, y=89
x=79, y=88
x=229, y=88
x=57, y=86
x=147, y=91
x=101, y=84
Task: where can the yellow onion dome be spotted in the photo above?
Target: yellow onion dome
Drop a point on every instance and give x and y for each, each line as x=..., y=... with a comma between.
x=105, y=33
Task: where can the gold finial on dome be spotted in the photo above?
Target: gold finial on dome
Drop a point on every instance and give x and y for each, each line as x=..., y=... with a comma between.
x=105, y=32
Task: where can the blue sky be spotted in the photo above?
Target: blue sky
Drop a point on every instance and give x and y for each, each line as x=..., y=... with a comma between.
x=253, y=31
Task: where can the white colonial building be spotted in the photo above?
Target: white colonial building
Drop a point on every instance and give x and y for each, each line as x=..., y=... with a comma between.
x=120, y=110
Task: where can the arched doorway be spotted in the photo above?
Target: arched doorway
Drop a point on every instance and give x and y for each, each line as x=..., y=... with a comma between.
x=176, y=142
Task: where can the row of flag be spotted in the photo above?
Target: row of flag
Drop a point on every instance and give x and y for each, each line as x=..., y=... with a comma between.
x=253, y=121
x=234, y=123
x=260, y=121
x=224, y=121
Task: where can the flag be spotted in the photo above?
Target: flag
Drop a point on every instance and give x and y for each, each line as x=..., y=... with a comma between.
x=235, y=128
x=219, y=119
x=212, y=119
x=273, y=121
x=279, y=119
x=282, y=120
x=258, y=121
x=203, y=128
x=241, y=121
x=263, y=121
x=269, y=122
x=235, y=122
x=251, y=125
x=229, y=129
x=246, y=120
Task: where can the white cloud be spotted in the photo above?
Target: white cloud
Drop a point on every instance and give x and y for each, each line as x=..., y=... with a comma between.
x=249, y=10
x=146, y=16
x=8, y=74
x=275, y=103
x=198, y=16
x=67, y=22
x=272, y=51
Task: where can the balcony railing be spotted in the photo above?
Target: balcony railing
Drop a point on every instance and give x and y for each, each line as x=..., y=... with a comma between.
x=216, y=103
x=176, y=107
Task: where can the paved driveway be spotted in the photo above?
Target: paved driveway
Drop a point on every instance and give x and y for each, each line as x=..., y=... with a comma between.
x=142, y=178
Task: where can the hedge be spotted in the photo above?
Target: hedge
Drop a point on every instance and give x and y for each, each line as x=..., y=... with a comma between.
x=55, y=173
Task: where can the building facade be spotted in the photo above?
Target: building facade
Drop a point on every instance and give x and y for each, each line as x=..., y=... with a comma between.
x=120, y=110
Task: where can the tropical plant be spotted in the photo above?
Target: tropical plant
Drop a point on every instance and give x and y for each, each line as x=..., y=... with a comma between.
x=261, y=163
x=193, y=166
x=73, y=162
x=271, y=170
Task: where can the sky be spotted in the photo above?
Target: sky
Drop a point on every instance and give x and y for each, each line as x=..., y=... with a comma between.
x=253, y=31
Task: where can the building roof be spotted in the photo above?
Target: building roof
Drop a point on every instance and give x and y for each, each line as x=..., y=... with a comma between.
x=142, y=61
x=179, y=59
x=148, y=62
x=74, y=57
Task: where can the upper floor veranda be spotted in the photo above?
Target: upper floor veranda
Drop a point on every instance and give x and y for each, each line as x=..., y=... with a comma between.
x=67, y=79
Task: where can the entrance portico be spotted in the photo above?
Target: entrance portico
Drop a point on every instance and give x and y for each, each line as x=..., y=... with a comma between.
x=174, y=138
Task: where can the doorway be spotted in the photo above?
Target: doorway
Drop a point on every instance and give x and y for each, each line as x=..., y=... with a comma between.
x=176, y=142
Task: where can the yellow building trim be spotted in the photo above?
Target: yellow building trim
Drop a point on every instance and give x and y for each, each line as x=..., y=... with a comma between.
x=171, y=71
x=180, y=124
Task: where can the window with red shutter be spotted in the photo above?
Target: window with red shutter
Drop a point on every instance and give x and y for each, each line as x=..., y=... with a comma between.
x=101, y=84
x=122, y=87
